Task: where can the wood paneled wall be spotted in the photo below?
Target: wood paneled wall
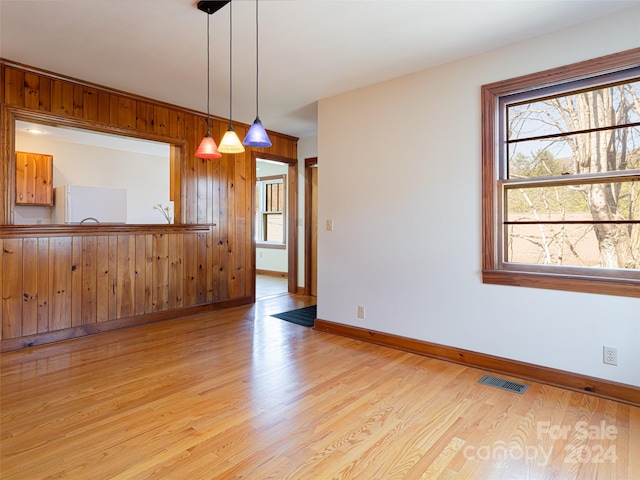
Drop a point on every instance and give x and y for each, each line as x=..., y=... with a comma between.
x=145, y=273
x=57, y=282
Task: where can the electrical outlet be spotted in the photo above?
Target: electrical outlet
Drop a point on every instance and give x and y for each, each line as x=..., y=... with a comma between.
x=360, y=311
x=610, y=355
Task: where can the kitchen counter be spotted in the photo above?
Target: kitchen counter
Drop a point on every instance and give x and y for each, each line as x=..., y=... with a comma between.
x=9, y=231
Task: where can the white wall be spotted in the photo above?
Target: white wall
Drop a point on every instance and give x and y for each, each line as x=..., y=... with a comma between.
x=390, y=154
x=146, y=177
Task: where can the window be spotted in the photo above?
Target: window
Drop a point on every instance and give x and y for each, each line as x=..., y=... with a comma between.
x=270, y=215
x=561, y=178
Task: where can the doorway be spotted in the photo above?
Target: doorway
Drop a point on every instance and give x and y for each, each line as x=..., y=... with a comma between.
x=275, y=233
x=311, y=226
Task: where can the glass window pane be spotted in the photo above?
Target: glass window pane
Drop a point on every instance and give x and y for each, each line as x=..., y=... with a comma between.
x=586, y=202
x=534, y=239
x=603, y=151
x=598, y=108
x=274, y=227
x=544, y=244
x=570, y=245
x=270, y=220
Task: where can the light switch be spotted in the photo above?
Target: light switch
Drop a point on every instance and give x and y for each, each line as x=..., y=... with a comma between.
x=329, y=225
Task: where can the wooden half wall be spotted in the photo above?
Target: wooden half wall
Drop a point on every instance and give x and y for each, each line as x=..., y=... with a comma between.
x=216, y=194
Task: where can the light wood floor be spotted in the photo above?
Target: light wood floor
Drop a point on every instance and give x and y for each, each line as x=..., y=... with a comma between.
x=267, y=286
x=237, y=394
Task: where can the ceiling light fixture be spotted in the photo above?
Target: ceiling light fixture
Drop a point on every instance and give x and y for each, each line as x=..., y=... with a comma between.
x=257, y=135
x=230, y=142
x=208, y=147
x=35, y=131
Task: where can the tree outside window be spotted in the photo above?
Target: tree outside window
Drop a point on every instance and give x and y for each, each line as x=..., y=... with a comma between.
x=561, y=179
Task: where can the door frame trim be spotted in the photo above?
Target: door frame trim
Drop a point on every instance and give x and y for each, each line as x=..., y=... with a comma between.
x=292, y=217
x=309, y=163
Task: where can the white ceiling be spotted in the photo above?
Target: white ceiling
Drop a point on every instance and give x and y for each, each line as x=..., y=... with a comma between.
x=309, y=49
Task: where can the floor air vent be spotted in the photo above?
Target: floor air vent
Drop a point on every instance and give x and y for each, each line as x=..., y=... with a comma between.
x=504, y=384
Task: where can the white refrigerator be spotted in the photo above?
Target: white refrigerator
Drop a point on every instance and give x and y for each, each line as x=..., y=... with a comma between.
x=84, y=204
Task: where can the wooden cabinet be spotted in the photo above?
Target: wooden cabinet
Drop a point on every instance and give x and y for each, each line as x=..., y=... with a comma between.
x=34, y=179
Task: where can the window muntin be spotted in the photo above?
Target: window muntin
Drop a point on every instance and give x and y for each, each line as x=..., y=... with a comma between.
x=560, y=195
x=271, y=206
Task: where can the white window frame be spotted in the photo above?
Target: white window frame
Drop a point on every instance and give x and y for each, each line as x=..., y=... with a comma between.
x=261, y=183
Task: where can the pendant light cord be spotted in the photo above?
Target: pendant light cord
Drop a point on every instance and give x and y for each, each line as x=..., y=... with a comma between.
x=257, y=114
x=230, y=62
x=208, y=79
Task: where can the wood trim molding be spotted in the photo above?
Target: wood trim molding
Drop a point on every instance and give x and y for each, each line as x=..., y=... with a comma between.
x=19, y=343
x=550, y=376
x=309, y=163
x=272, y=273
x=23, y=231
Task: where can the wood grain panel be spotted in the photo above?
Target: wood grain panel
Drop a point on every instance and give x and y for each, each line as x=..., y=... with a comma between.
x=1, y=285
x=14, y=86
x=176, y=124
x=202, y=269
x=113, y=279
x=45, y=94
x=125, y=286
x=127, y=112
x=194, y=131
x=90, y=104
x=202, y=190
x=223, y=233
x=148, y=266
x=104, y=107
x=232, y=245
x=160, y=272
x=78, y=101
x=213, y=260
x=89, y=280
x=176, y=271
x=62, y=98
x=144, y=116
x=12, y=293
x=43, y=285
x=102, y=279
x=76, y=281
x=114, y=110
x=191, y=269
x=32, y=90
x=34, y=179
x=161, y=120
x=212, y=292
x=60, y=258
x=30, y=286
x=140, y=275
x=242, y=239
